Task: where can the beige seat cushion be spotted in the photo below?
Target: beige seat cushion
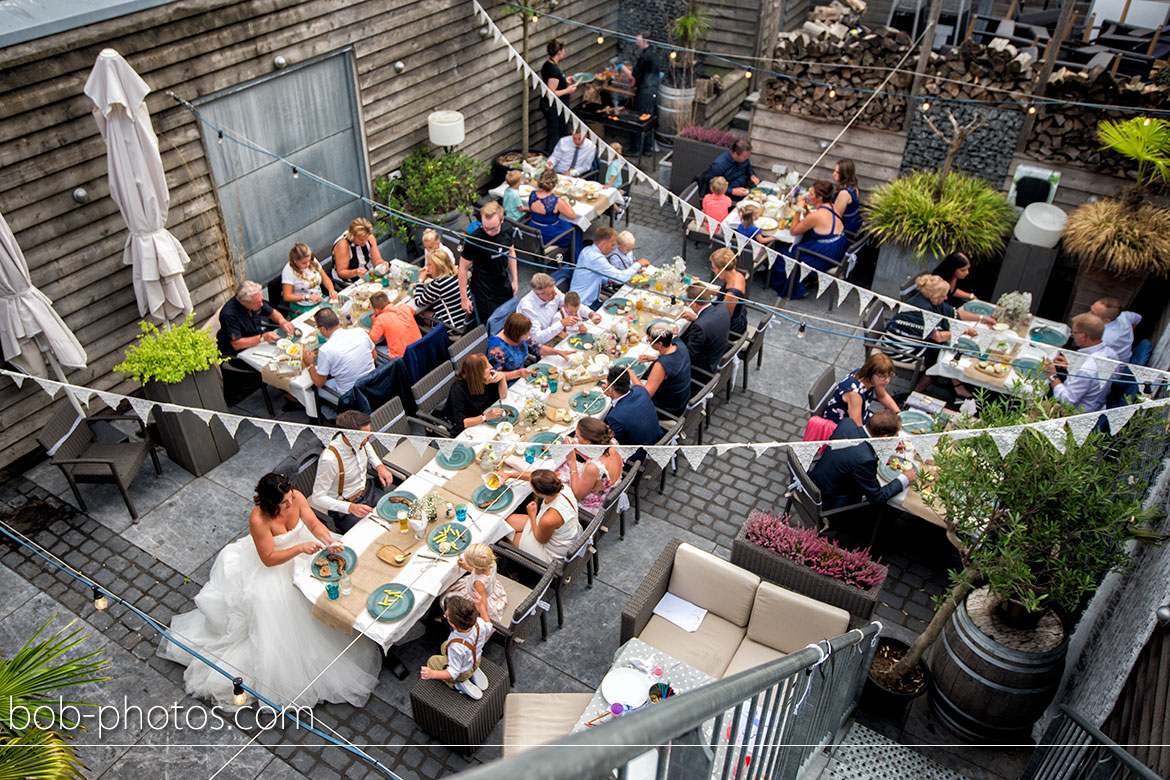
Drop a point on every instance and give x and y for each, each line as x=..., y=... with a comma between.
x=516, y=593
x=749, y=655
x=709, y=649
x=714, y=584
x=406, y=457
x=532, y=719
x=788, y=621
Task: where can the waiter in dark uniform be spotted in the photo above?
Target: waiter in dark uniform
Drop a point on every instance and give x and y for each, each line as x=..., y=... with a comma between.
x=645, y=75
x=562, y=86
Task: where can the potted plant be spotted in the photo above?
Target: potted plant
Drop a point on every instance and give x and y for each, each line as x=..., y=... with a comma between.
x=437, y=188
x=1120, y=242
x=1036, y=529
x=176, y=365
x=695, y=148
x=801, y=560
x=676, y=94
x=917, y=222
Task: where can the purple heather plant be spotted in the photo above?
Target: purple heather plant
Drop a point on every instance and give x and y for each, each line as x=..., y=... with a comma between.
x=804, y=546
x=708, y=135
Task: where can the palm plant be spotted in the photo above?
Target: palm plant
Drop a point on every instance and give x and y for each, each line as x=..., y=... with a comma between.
x=1145, y=141
x=688, y=31
x=36, y=748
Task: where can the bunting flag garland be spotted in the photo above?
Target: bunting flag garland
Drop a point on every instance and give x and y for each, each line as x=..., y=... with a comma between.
x=231, y=422
x=695, y=455
x=1005, y=439
x=264, y=425
x=142, y=408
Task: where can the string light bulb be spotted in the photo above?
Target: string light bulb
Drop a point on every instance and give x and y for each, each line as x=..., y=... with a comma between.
x=600, y=39
x=1146, y=121
x=239, y=698
x=800, y=330
x=296, y=173
x=100, y=601
x=926, y=105
x=674, y=55
x=1031, y=109
x=832, y=92
x=221, y=137
x=747, y=74
x=535, y=18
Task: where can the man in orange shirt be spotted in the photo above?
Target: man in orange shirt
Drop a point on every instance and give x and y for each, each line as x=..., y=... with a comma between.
x=396, y=323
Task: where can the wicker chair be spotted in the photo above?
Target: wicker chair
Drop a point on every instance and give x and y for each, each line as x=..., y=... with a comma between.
x=304, y=477
x=609, y=512
x=74, y=448
x=821, y=391
x=524, y=608
x=457, y=721
x=576, y=560
x=473, y=341
x=753, y=340
x=431, y=392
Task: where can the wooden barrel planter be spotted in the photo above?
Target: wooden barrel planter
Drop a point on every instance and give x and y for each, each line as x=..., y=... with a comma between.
x=988, y=691
x=674, y=109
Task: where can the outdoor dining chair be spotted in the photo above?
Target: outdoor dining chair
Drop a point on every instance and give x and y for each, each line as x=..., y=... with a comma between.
x=805, y=497
x=725, y=370
x=431, y=392
x=530, y=245
x=525, y=606
x=75, y=448
x=611, y=510
x=623, y=211
x=650, y=467
x=821, y=391
x=405, y=460
x=753, y=342
x=473, y=341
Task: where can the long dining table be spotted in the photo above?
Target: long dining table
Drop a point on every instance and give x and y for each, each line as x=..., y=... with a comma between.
x=588, y=199
x=428, y=571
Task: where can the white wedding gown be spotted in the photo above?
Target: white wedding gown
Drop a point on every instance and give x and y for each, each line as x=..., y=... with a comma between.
x=251, y=620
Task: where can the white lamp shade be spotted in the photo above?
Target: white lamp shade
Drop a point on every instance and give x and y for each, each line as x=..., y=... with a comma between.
x=446, y=128
x=1041, y=224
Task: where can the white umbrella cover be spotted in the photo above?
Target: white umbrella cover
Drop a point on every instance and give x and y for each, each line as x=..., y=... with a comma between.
x=138, y=185
x=27, y=316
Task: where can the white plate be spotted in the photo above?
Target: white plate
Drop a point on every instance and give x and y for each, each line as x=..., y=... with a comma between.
x=766, y=224
x=592, y=186
x=283, y=344
x=525, y=191
x=626, y=686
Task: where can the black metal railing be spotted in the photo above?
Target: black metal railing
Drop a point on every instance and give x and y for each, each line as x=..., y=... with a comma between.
x=1074, y=749
x=766, y=722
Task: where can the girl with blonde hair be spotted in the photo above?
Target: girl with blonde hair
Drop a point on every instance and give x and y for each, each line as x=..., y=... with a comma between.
x=479, y=562
x=438, y=290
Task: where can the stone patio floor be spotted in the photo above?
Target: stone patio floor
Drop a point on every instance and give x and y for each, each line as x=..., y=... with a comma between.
x=160, y=563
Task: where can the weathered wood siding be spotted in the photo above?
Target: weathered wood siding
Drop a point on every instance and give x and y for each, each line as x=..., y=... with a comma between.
x=49, y=143
x=735, y=27
x=1140, y=720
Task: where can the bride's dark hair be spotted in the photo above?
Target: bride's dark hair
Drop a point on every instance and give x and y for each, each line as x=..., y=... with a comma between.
x=270, y=491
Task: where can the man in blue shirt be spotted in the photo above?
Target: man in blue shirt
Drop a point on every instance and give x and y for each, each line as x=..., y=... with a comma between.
x=632, y=417
x=735, y=166
x=594, y=268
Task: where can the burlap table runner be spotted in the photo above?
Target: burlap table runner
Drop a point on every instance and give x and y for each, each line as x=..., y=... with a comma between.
x=277, y=379
x=463, y=484
x=370, y=572
x=599, y=204
x=916, y=505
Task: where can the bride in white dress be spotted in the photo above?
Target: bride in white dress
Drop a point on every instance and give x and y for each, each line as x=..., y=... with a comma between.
x=251, y=619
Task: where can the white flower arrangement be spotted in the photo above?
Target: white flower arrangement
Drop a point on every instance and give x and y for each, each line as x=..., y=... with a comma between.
x=427, y=507
x=1015, y=306
x=532, y=411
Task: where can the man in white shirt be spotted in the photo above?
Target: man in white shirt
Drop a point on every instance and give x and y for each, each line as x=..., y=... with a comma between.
x=542, y=304
x=1087, y=385
x=593, y=267
x=344, y=487
x=346, y=356
x=1119, y=326
x=574, y=155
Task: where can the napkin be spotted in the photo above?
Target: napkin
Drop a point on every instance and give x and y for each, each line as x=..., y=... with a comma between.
x=681, y=612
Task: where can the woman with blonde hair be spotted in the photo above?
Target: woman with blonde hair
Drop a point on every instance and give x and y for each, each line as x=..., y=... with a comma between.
x=732, y=287
x=855, y=392
x=355, y=252
x=905, y=334
x=438, y=290
x=302, y=280
x=479, y=562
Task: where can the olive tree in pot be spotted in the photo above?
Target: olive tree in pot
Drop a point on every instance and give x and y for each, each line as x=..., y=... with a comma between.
x=1036, y=529
x=437, y=188
x=176, y=365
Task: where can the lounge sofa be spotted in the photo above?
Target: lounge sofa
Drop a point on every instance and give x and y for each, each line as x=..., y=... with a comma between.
x=748, y=622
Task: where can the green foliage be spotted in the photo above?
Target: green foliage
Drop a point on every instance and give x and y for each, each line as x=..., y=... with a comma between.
x=1038, y=525
x=430, y=185
x=171, y=354
x=1146, y=141
x=36, y=749
x=1162, y=77
x=971, y=217
x=692, y=27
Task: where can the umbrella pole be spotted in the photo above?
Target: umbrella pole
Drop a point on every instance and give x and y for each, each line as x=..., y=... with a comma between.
x=58, y=372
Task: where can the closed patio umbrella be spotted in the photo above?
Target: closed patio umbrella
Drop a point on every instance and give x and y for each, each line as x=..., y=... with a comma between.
x=138, y=185
x=30, y=329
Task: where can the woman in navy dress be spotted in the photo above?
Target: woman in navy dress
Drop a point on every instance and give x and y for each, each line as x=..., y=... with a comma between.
x=821, y=231
x=550, y=214
x=847, y=201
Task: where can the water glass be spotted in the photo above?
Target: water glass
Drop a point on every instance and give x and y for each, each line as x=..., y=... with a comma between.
x=552, y=384
x=345, y=584
x=332, y=590
x=461, y=513
x=530, y=455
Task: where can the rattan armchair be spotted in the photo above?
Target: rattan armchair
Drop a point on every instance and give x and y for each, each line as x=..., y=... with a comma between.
x=753, y=345
x=431, y=392
x=525, y=607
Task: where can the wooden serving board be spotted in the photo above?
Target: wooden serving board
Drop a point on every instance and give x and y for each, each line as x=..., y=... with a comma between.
x=974, y=372
x=387, y=552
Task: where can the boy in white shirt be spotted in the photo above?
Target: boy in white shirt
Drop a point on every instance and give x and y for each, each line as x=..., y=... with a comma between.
x=458, y=664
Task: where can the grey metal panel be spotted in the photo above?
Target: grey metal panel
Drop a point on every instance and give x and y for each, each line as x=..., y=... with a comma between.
x=28, y=20
x=307, y=115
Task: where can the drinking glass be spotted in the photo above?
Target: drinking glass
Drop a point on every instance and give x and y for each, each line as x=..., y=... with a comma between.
x=402, y=518
x=332, y=590
x=461, y=513
x=345, y=584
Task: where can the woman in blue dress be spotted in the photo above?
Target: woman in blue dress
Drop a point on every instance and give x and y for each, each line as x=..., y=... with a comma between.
x=847, y=201
x=821, y=231
x=550, y=214
x=508, y=350
x=669, y=379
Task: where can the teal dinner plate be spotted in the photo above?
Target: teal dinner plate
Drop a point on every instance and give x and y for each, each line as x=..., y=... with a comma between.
x=510, y=415
x=501, y=498
x=1046, y=335
x=457, y=535
x=366, y=320
x=388, y=508
x=632, y=362
x=660, y=319
x=583, y=77
x=581, y=341
x=587, y=402
x=347, y=554
x=916, y=421
x=539, y=369
x=1026, y=365
x=390, y=602
x=615, y=305
x=981, y=308
x=887, y=472
x=543, y=437
x=968, y=346
x=460, y=457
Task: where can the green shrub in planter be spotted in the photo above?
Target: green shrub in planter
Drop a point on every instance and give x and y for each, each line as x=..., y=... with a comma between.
x=430, y=185
x=170, y=355
x=971, y=216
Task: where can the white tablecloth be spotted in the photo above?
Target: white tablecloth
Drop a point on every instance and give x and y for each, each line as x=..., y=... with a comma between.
x=952, y=364
x=586, y=212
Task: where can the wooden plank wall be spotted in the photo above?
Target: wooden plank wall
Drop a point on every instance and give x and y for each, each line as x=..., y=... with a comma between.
x=49, y=143
x=1140, y=720
x=735, y=28
x=795, y=141
x=721, y=109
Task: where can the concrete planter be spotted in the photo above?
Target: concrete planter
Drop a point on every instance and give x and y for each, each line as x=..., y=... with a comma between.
x=189, y=442
x=895, y=264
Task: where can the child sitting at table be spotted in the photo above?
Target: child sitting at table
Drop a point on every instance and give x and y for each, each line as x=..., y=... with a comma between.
x=458, y=663
x=514, y=207
x=716, y=203
x=480, y=563
x=613, y=173
x=747, y=224
x=574, y=308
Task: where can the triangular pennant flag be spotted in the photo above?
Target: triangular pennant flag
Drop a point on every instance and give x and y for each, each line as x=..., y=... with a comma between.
x=824, y=282
x=789, y=265
x=325, y=435
x=675, y=204
x=929, y=321
x=695, y=455
x=760, y=449
x=805, y=452
x=1119, y=417
x=388, y=440
x=661, y=455
x=204, y=415
x=264, y=425
x=884, y=446
x=231, y=422
x=142, y=408
x=292, y=432
x=772, y=254
x=48, y=385
x=842, y=292
x=592, y=450
x=662, y=193
x=1081, y=426
x=511, y=54
x=496, y=35
x=726, y=231
x=16, y=377
x=627, y=452
x=806, y=271
x=1005, y=439
x=723, y=449
x=1144, y=375
x=420, y=443
x=447, y=446
x=559, y=452
x=757, y=251
x=864, y=296
x=925, y=444
x=80, y=394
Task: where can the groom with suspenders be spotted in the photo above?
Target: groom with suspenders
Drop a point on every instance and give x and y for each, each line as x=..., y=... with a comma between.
x=344, y=486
